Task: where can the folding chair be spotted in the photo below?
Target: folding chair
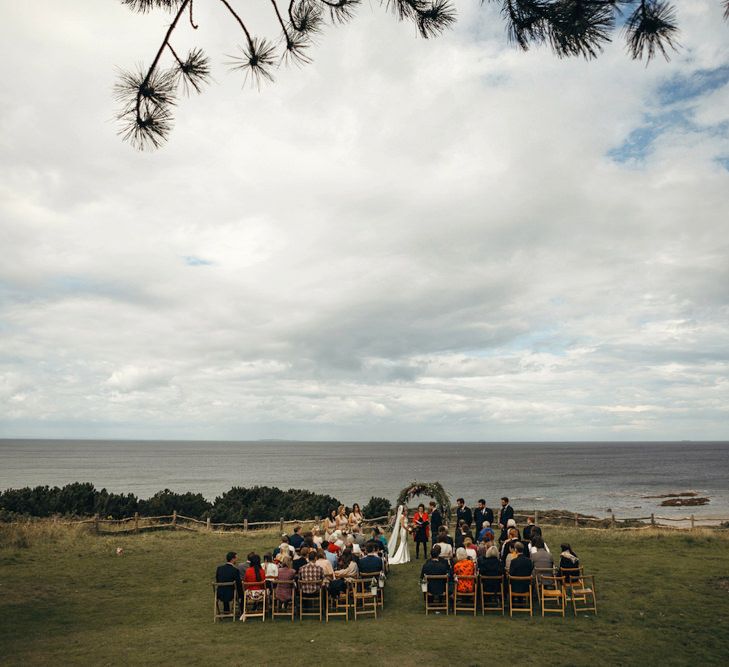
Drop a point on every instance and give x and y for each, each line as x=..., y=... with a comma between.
x=431, y=604
x=551, y=594
x=280, y=609
x=380, y=578
x=583, y=594
x=492, y=594
x=520, y=596
x=539, y=572
x=364, y=597
x=219, y=605
x=315, y=600
x=338, y=605
x=463, y=600
x=254, y=601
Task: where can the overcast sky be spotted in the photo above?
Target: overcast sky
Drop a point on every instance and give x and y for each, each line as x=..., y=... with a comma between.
x=406, y=239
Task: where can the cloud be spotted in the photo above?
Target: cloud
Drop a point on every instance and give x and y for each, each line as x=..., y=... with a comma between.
x=406, y=239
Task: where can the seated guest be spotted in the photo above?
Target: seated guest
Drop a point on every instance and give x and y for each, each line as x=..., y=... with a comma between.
x=568, y=560
x=471, y=550
x=528, y=529
x=269, y=567
x=489, y=565
x=302, y=559
x=378, y=535
x=296, y=540
x=370, y=562
x=511, y=555
x=255, y=580
x=353, y=546
x=487, y=533
x=512, y=538
x=464, y=567
x=511, y=523
x=310, y=577
x=347, y=572
x=541, y=558
x=316, y=537
x=331, y=556
x=309, y=539
x=244, y=565
x=436, y=566
x=464, y=531
x=520, y=566
x=445, y=548
x=537, y=532
x=443, y=536
x=286, y=548
x=228, y=573
x=358, y=536
x=284, y=593
x=323, y=562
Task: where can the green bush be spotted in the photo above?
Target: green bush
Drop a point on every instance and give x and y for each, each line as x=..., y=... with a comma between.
x=266, y=503
x=376, y=507
x=189, y=504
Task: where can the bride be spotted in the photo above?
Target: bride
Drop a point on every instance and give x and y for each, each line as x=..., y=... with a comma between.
x=398, y=543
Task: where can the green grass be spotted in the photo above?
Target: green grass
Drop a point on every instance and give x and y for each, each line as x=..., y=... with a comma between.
x=66, y=598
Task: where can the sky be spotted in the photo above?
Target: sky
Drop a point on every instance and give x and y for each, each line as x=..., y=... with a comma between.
x=407, y=239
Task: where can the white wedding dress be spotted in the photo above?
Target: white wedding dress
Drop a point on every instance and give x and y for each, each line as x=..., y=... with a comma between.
x=398, y=543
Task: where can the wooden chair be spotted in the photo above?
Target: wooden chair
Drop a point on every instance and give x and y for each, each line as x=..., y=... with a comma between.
x=541, y=572
x=254, y=601
x=339, y=605
x=315, y=600
x=551, y=594
x=219, y=606
x=525, y=597
x=431, y=604
x=364, y=598
x=492, y=600
x=582, y=593
x=380, y=579
x=463, y=601
x=280, y=609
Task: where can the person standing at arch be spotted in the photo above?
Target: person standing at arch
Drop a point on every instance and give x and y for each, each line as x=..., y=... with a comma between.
x=436, y=520
x=482, y=514
x=463, y=513
x=506, y=513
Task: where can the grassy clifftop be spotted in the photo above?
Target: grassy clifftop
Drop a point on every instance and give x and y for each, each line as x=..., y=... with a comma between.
x=67, y=598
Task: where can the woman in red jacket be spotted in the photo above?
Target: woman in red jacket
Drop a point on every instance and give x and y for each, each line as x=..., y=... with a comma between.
x=421, y=531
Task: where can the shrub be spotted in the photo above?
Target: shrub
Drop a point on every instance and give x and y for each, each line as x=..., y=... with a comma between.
x=266, y=503
x=376, y=507
x=189, y=504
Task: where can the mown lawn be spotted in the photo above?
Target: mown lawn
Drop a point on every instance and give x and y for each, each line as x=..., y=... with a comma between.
x=67, y=598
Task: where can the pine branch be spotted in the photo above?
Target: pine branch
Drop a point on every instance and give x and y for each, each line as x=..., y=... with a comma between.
x=651, y=28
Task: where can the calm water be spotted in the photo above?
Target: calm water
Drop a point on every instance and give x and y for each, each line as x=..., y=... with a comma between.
x=584, y=477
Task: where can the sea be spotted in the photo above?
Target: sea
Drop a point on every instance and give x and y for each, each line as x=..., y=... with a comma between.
x=587, y=477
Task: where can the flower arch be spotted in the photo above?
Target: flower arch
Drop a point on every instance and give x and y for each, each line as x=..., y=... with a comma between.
x=432, y=490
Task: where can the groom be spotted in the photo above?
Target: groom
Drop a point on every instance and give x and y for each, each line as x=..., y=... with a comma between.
x=436, y=520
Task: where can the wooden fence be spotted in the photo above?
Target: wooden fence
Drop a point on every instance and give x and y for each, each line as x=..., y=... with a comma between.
x=175, y=521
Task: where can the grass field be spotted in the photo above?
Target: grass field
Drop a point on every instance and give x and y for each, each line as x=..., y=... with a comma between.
x=67, y=598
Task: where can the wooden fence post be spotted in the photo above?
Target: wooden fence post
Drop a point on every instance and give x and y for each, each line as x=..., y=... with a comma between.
x=174, y=518
x=208, y=526
x=96, y=523
x=653, y=519
x=536, y=517
x=613, y=523
x=692, y=522
x=245, y=525
x=576, y=522
x=281, y=525
x=136, y=522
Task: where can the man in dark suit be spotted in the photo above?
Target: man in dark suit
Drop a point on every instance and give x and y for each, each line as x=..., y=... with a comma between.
x=436, y=520
x=506, y=513
x=228, y=573
x=435, y=566
x=521, y=566
x=371, y=562
x=297, y=539
x=482, y=514
x=463, y=513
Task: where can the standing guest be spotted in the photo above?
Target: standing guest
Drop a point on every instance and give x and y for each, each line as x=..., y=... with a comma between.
x=464, y=567
x=323, y=562
x=228, y=573
x=341, y=521
x=330, y=524
x=285, y=594
x=436, y=520
x=296, y=540
x=463, y=513
x=310, y=577
x=506, y=513
x=371, y=562
x=355, y=518
x=421, y=523
x=436, y=566
x=541, y=558
x=302, y=559
x=347, y=573
x=481, y=515
x=568, y=560
x=520, y=566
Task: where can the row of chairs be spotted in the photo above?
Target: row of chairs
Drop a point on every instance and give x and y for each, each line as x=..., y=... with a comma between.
x=553, y=594
x=362, y=597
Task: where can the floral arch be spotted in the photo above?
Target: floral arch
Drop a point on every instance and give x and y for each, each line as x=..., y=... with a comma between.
x=432, y=490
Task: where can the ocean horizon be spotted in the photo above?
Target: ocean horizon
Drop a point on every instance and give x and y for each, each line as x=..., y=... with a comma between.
x=592, y=477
